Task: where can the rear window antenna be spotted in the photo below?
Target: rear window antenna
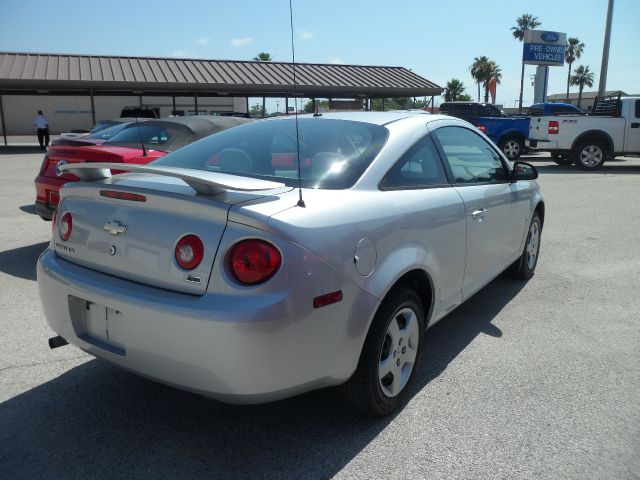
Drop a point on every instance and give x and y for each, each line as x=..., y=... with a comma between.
x=295, y=103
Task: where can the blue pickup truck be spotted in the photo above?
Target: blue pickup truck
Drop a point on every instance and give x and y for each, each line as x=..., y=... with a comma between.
x=507, y=132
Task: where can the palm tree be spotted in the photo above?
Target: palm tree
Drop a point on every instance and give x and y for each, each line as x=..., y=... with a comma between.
x=453, y=90
x=263, y=57
x=477, y=69
x=574, y=51
x=526, y=21
x=581, y=77
x=492, y=70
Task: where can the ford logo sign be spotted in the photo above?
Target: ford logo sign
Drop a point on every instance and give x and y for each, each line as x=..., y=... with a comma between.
x=550, y=37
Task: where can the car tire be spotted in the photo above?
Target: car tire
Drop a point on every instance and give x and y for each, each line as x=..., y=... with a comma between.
x=561, y=158
x=526, y=264
x=589, y=155
x=512, y=147
x=390, y=356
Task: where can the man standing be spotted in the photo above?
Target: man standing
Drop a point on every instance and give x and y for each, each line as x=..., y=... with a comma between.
x=41, y=123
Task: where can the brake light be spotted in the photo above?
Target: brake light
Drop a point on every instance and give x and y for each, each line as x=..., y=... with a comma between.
x=66, y=225
x=482, y=128
x=189, y=252
x=554, y=127
x=254, y=261
x=134, y=197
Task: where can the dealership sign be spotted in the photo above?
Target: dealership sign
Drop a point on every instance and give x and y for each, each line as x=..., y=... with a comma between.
x=544, y=48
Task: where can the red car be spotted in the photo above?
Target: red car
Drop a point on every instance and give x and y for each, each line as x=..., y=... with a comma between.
x=137, y=143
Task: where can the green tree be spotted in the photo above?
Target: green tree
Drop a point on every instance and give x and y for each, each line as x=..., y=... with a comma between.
x=477, y=70
x=453, y=90
x=257, y=111
x=526, y=21
x=321, y=104
x=492, y=69
x=574, y=51
x=582, y=76
x=464, y=98
x=263, y=57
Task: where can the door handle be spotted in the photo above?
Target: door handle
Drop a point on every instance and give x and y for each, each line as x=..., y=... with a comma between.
x=479, y=214
x=635, y=125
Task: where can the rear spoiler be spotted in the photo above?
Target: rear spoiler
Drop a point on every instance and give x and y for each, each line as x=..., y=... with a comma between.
x=205, y=183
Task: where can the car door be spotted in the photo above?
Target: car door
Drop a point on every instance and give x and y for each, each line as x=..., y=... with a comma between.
x=432, y=216
x=496, y=208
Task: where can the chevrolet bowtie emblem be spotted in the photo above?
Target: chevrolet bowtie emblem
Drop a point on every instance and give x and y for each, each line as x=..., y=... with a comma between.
x=115, y=228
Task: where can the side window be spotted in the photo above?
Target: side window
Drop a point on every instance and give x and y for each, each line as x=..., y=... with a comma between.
x=535, y=111
x=488, y=111
x=562, y=110
x=637, y=108
x=471, y=158
x=419, y=167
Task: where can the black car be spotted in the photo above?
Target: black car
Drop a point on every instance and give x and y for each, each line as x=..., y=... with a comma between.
x=470, y=111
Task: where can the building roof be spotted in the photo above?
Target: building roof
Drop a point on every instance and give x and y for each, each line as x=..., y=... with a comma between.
x=61, y=73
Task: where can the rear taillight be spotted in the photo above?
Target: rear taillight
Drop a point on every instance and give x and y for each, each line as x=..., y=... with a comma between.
x=254, y=261
x=66, y=225
x=554, y=127
x=482, y=128
x=45, y=164
x=189, y=252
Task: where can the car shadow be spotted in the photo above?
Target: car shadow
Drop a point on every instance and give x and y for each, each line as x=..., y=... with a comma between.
x=19, y=149
x=31, y=208
x=95, y=418
x=21, y=262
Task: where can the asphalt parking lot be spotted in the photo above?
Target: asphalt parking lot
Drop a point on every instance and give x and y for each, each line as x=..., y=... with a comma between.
x=535, y=380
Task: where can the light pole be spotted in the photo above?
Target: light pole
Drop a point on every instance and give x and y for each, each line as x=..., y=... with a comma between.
x=605, y=52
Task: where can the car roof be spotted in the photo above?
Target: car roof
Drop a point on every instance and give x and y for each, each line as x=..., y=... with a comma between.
x=376, y=118
x=560, y=104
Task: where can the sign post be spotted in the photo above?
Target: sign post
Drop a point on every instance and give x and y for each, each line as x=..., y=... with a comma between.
x=545, y=49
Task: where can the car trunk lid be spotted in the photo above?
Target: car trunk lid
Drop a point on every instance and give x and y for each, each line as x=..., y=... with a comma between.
x=134, y=236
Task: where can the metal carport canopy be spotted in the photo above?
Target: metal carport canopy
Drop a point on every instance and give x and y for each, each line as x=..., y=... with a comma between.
x=48, y=73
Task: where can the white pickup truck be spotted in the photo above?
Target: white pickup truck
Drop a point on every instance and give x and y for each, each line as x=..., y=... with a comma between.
x=612, y=129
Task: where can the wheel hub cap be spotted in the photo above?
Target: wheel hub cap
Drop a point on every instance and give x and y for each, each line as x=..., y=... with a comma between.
x=533, y=245
x=395, y=365
x=591, y=156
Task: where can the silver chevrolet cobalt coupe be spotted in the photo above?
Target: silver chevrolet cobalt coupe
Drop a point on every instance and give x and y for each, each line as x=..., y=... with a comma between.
x=287, y=255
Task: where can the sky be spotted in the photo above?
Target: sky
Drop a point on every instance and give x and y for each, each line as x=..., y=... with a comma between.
x=435, y=39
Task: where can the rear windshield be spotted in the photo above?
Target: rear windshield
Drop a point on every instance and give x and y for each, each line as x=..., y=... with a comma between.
x=108, y=132
x=156, y=136
x=333, y=153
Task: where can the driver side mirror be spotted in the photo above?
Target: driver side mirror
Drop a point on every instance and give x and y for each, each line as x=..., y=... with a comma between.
x=523, y=171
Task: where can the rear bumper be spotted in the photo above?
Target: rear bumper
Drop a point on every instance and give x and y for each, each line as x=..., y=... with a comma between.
x=545, y=145
x=237, y=349
x=47, y=195
x=44, y=210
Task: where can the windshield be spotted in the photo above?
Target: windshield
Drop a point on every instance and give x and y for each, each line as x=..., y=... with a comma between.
x=163, y=136
x=108, y=132
x=333, y=153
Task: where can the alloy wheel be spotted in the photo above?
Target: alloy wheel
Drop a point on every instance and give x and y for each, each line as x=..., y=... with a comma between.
x=591, y=156
x=398, y=354
x=533, y=245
